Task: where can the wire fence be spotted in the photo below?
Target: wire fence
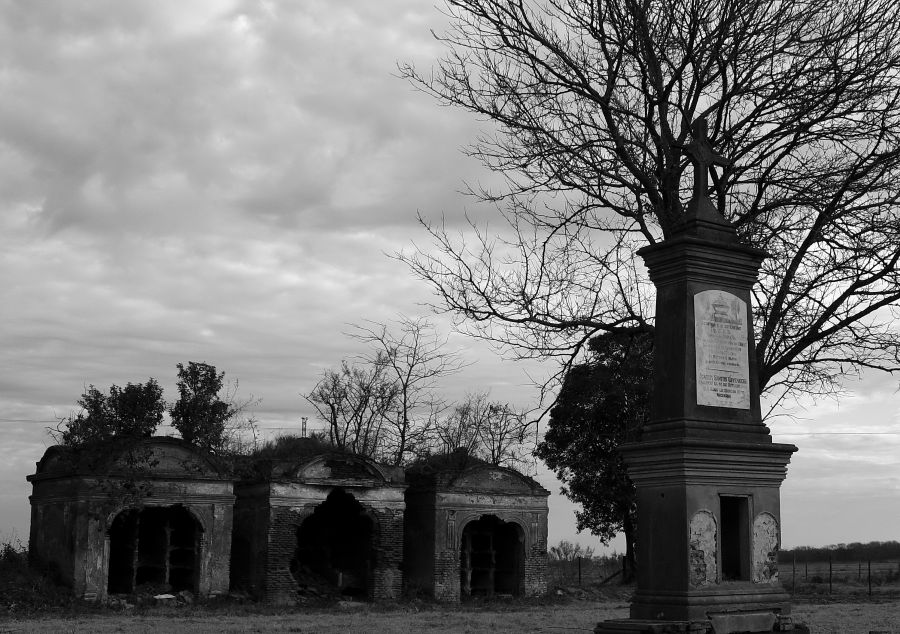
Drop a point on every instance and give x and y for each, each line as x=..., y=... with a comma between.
x=585, y=571
x=875, y=578
x=864, y=577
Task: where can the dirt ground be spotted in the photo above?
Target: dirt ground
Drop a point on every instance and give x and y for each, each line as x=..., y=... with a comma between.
x=577, y=616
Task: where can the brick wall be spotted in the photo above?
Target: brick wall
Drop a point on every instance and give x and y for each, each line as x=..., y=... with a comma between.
x=280, y=586
x=418, y=544
x=387, y=581
x=534, y=580
x=445, y=541
x=249, y=544
x=446, y=575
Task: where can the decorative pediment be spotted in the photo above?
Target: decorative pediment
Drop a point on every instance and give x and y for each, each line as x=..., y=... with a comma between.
x=499, y=479
x=342, y=467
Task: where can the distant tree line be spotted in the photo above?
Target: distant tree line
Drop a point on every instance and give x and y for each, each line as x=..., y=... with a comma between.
x=875, y=551
x=567, y=551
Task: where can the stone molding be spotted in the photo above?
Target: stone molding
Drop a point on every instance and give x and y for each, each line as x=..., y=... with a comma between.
x=462, y=519
x=725, y=266
x=716, y=463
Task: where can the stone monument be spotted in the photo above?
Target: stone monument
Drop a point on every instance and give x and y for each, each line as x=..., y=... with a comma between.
x=706, y=471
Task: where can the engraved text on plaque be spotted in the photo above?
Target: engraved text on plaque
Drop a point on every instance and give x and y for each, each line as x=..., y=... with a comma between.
x=720, y=342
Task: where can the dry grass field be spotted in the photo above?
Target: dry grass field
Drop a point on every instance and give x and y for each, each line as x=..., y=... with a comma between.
x=562, y=618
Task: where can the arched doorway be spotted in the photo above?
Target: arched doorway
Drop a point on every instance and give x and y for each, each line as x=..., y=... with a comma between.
x=492, y=558
x=157, y=548
x=335, y=547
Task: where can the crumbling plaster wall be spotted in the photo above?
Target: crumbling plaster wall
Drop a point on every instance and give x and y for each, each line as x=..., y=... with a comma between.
x=765, y=549
x=290, y=503
x=250, y=538
x=453, y=510
x=54, y=533
x=212, y=505
x=419, y=559
x=703, y=549
x=71, y=517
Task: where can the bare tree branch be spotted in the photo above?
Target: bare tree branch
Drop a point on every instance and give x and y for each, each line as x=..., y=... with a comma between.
x=590, y=101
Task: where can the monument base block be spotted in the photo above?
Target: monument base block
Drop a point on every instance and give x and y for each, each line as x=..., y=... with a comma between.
x=635, y=626
x=723, y=623
x=697, y=605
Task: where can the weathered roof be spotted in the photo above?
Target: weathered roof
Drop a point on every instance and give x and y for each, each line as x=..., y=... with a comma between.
x=157, y=456
x=459, y=470
x=331, y=466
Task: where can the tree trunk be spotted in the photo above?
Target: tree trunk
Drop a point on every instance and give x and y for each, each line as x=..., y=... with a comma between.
x=628, y=527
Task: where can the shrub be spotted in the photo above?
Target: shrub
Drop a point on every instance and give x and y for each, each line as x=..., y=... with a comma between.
x=25, y=587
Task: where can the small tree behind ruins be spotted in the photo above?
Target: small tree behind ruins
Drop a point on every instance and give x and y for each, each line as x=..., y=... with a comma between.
x=206, y=413
x=492, y=431
x=106, y=436
x=134, y=411
x=200, y=415
x=356, y=402
x=415, y=358
x=386, y=404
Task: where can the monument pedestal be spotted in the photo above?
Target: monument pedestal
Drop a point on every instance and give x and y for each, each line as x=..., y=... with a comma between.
x=706, y=472
x=714, y=534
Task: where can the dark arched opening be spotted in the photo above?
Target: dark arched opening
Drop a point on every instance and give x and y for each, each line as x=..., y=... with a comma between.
x=492, y=558
x=154, y=549
x=335, y=547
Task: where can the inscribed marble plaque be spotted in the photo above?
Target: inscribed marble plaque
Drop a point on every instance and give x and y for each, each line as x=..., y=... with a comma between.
x=722, y=351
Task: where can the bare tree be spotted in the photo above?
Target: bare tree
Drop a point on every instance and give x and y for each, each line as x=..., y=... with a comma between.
x=593, y=103
x=460, y=428
x=490, y=430
x=355, y=402
x=416, y=358
x=504, y=436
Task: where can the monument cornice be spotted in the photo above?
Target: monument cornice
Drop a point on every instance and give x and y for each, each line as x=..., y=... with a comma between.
x=155, y=499
x=714, y=462
x=685, y=257
x=709, y=445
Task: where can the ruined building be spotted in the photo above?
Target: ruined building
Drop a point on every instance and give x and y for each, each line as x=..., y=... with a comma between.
x=473, y=529
x=160, y=514
x=154, y=513
x=330, y=522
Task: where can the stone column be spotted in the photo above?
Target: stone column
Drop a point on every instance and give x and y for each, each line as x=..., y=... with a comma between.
x=705, y=468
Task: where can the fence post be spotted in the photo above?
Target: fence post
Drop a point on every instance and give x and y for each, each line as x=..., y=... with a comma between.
x=829, y=573
x=859, y=573
x=870, y=577
x=794, y=575
x=579, y=570
x=806, y=569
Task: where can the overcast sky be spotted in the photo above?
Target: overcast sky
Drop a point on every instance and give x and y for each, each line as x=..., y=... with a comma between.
x=220, y=181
